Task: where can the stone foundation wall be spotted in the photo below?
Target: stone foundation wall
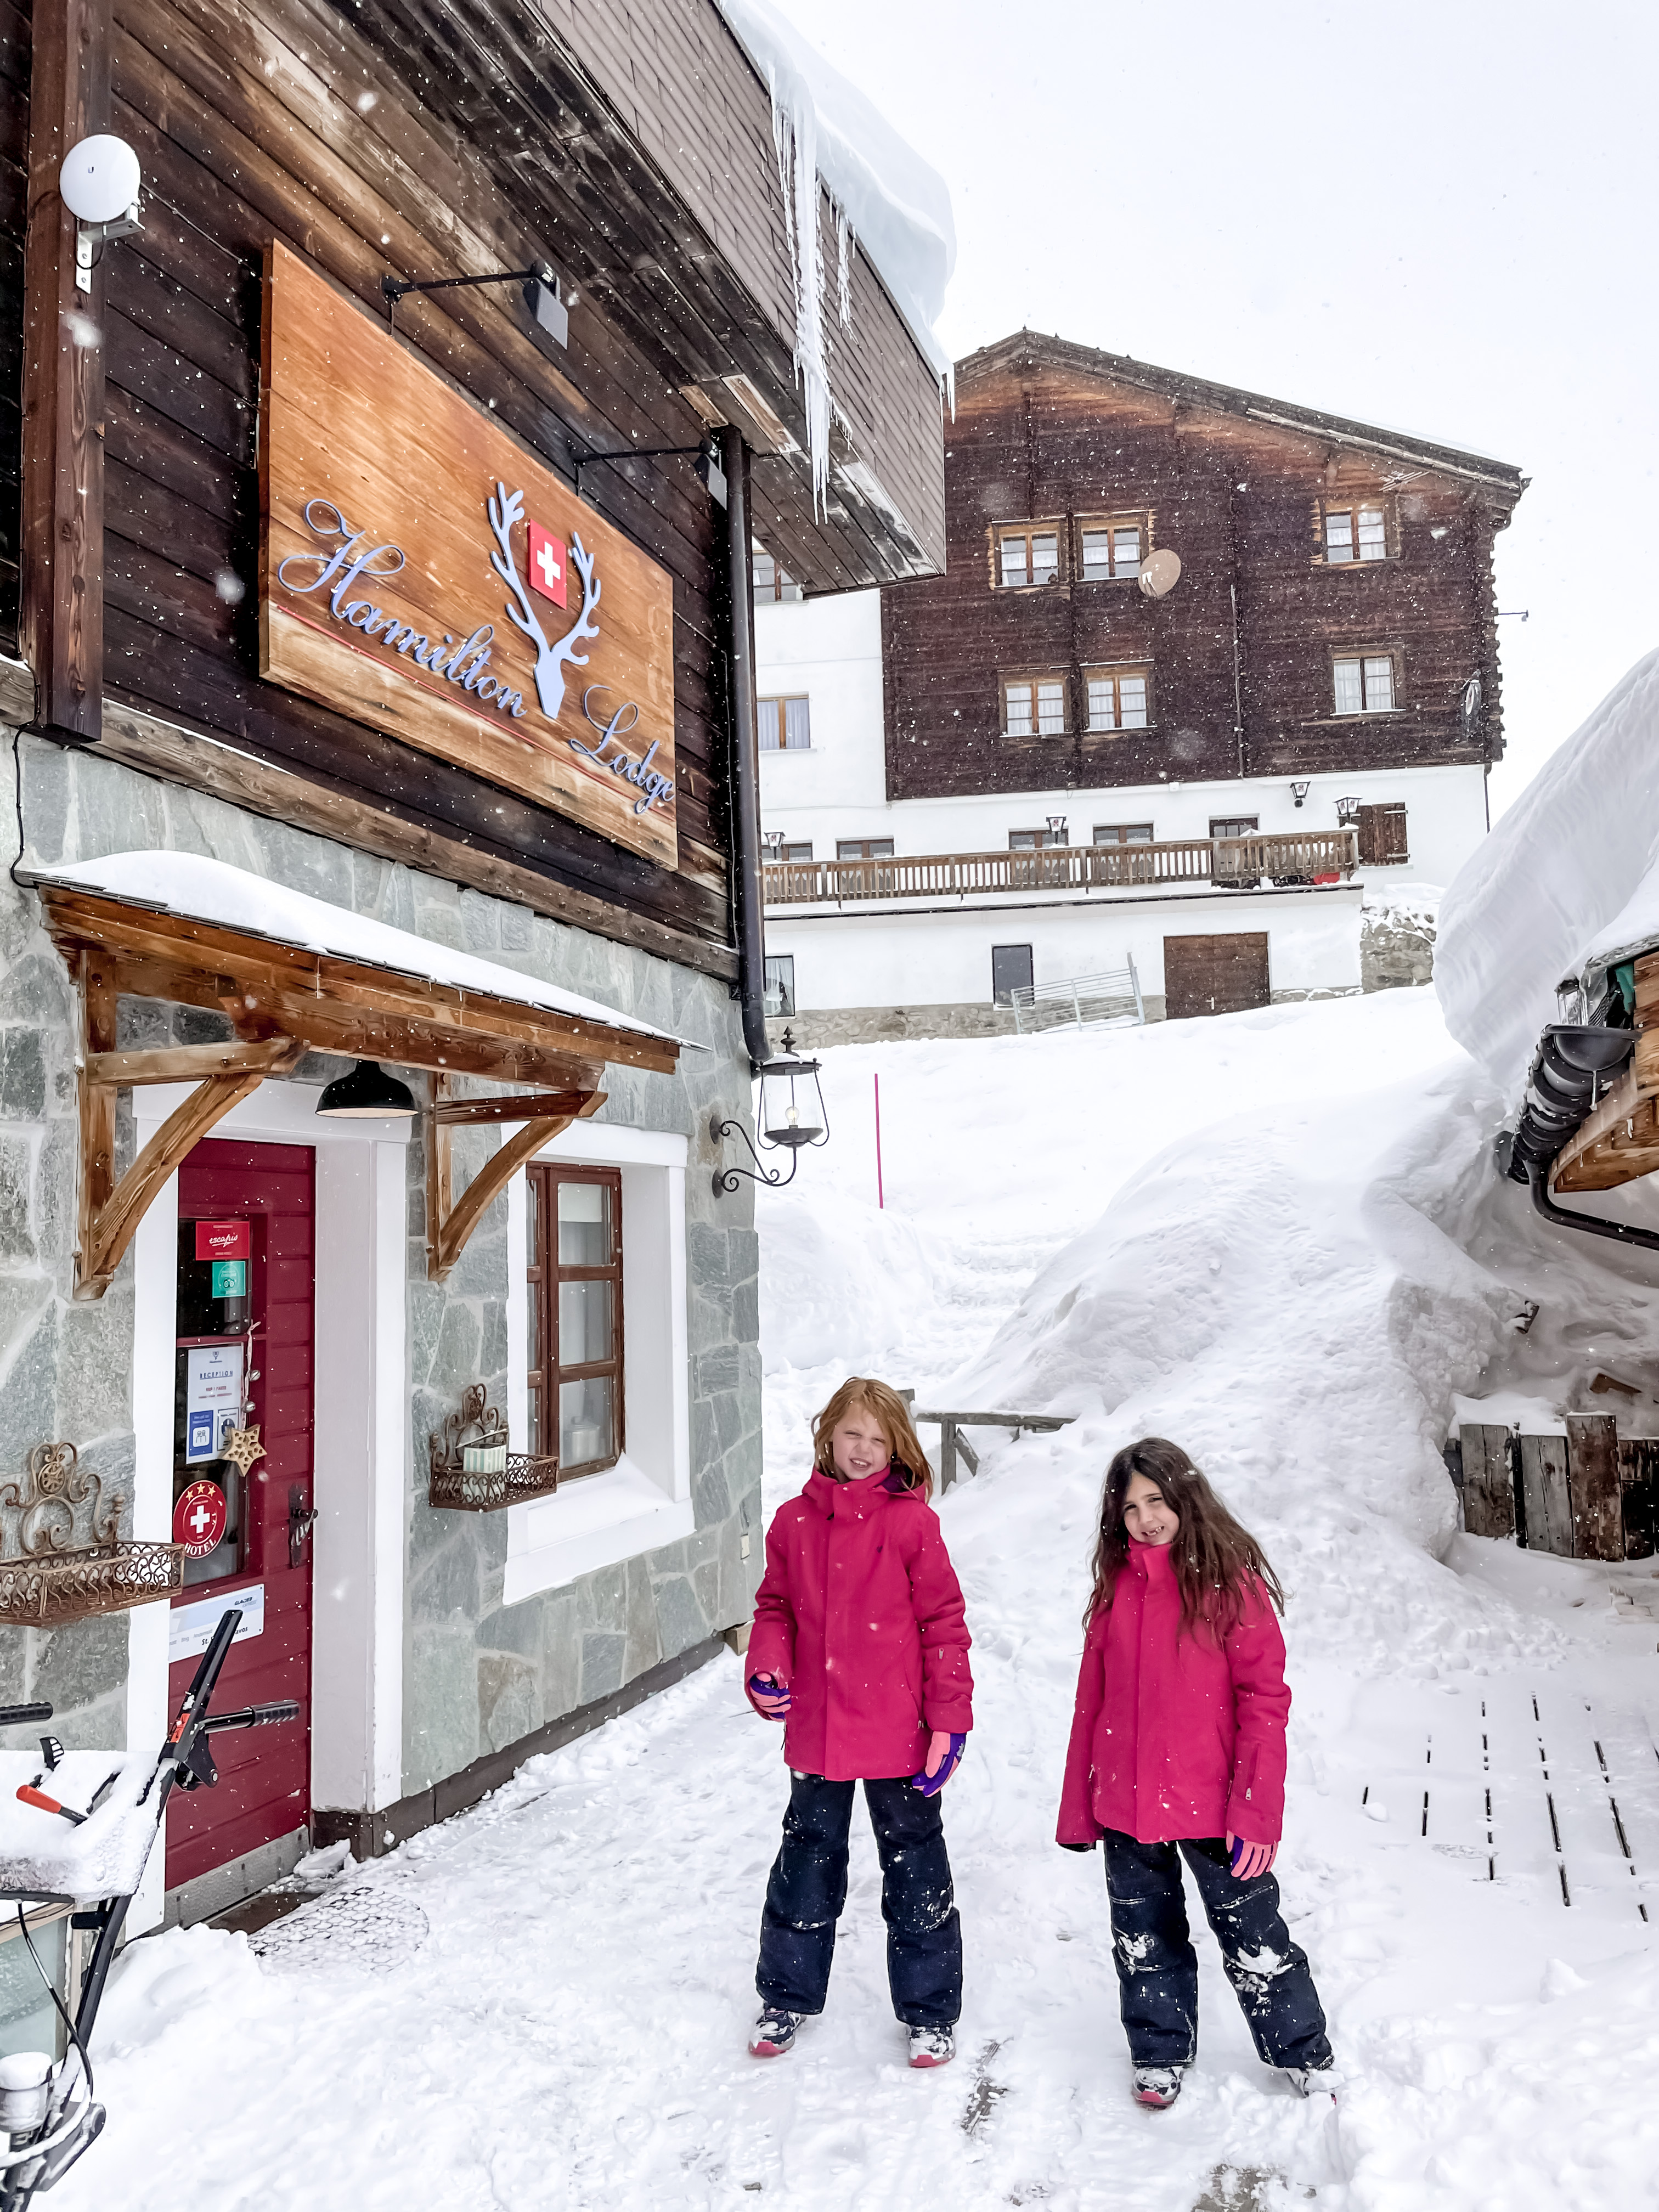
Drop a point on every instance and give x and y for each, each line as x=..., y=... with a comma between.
x=816, y=1029
x=477, y=1675
x=1396, y=947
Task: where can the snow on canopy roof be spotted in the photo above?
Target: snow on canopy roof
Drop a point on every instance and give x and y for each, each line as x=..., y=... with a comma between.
x=1567, y=881
x=198, y=889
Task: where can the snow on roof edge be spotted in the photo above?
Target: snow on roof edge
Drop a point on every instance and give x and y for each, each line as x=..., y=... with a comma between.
x=197, y=888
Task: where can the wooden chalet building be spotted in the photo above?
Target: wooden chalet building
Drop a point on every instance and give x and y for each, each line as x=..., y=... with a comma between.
x=377, y=675
x=1076, y=750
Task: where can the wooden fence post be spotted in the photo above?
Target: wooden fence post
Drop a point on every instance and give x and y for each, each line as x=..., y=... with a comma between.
x=1544, y=1488
x=1488, y=1485
x=1639, y=1483
x=1594, y=1486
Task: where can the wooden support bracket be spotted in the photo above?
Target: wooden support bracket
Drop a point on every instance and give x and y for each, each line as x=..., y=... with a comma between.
x=450, y=1221
x=108, y=1213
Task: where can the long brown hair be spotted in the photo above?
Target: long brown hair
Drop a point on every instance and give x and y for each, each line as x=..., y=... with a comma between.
x=909, y=1461
x=1213, y=1557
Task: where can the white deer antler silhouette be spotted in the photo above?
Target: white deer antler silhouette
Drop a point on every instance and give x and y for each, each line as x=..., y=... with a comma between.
x=505, y=509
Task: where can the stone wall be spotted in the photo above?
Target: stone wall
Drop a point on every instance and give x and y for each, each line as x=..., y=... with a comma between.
x=1396, y=946
x=477, y=1676
x=816, y=1029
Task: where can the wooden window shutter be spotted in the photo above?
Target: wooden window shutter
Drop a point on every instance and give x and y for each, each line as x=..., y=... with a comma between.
x=1383, y=834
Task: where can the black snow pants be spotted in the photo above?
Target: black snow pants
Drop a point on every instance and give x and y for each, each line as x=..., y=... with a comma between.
x=1158, y=1967
x=808, y=1888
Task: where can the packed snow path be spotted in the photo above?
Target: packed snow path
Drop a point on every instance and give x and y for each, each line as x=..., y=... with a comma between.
x=543, y=2004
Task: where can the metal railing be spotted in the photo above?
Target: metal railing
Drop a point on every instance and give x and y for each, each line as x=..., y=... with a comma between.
x=1234, y=863
x=1114, y=995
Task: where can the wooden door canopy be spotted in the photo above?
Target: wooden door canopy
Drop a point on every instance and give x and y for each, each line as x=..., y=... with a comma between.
x=283, y=998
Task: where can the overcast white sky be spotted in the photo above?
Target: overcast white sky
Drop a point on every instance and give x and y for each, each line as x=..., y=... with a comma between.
x=1430, y=214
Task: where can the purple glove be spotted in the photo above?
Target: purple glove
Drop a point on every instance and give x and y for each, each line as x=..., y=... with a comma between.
x=931, y=1784
x=769, y=1697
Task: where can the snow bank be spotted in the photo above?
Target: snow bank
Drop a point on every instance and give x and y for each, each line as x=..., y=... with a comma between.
x=884, y=196
x=839, y=1282
x=1538, y=894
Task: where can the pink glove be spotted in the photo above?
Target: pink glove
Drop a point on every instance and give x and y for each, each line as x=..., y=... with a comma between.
x=769, y=1697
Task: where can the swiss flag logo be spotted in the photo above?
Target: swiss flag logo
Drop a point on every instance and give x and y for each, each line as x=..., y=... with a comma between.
x=547, y=559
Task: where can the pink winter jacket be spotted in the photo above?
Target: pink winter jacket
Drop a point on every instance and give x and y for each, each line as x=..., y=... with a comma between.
x=1175, y=1734
x=861, y=1614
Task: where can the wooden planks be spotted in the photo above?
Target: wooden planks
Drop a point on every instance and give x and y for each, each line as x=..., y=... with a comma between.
x=1594, y=1483
x=1488, y=1485
x=1619, y=1140
x=1545, y=1496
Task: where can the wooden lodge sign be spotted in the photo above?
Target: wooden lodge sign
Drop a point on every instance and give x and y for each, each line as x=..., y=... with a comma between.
x=420, y=573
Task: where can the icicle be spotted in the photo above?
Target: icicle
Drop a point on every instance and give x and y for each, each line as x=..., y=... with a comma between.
x=845, y=242
x=795, y=136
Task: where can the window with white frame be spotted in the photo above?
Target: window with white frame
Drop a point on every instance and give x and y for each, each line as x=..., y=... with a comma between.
x=1034, y=705
x=785, y=724
x=1112, y=548
x=1356, y=532
x=1120, y=698
x=1363, y=683
x=575, y=1317
x=1123, y=833
x=780, y=984
x=1027, y=554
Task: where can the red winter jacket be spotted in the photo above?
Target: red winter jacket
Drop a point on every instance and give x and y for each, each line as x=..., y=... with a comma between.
x=860, y=1614
x=1175, y=1734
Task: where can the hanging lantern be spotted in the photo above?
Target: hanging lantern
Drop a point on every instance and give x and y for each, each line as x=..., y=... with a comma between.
x=792, y=1116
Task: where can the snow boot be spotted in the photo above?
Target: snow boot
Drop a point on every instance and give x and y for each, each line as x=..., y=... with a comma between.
x=1157, y=2086
x=774, y=2033
x=1314, y=2080
x=932, y=2046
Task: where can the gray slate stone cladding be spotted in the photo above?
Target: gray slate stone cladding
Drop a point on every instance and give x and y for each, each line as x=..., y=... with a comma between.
x=478, y=1675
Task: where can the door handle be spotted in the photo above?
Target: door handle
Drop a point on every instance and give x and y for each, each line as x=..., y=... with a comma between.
x=301, y=1520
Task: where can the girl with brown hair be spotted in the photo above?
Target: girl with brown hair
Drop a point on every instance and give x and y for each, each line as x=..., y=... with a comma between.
x=1177, y=1751
x=860, y=1649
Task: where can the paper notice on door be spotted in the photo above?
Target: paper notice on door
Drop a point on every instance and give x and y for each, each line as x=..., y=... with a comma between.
x=213, y=1398
x=190, y=1627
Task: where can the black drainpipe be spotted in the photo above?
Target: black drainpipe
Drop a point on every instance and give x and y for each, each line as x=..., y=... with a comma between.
x=1592, y=1223
x=747, y=890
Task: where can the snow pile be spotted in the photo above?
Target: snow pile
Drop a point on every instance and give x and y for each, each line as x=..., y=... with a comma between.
x=1532, y=900
x=840, y=1282
x=884, y=195
x=212, y=890
x=42, y=1855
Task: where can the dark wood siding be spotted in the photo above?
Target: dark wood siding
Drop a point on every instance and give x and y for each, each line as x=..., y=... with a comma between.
x=1215, y=975
x=1241, y=650
x=14, y=182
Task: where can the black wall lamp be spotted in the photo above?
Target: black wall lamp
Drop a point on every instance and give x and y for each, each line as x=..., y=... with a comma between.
x=541, y=295
x=707, y=463
x=790, y=1120
x=1347, y=811
x=1299, y=791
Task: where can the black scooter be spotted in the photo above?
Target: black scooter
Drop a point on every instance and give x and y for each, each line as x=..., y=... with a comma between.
x=48, y=2116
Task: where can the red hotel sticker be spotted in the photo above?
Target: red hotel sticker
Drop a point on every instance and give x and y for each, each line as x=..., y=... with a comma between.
x=223, y=1240
x=199, y=1519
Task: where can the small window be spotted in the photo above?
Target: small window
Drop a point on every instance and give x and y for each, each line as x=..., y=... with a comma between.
x=1033, y=841
x=864, y=848
x=1355, y=534
x=771, y=581
x=1235, y=825
x=1364, y=684
x=1034, y=706
x=1113, y=548
x=575, y=1315
x=800, y=852
x=780, y=984
x=1011, y=971
x=1118, y=698
x=1382, y=835
x=1028, y=557
x=785, y=724
x=1123, y=833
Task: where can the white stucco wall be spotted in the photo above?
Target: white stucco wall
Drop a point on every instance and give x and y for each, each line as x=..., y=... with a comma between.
x=897, y=959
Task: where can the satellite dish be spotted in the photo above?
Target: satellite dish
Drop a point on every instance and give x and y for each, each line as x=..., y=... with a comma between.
x=1160, y=572
x=99, y=179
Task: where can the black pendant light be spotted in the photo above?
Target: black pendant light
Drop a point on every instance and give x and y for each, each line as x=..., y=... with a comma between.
x=367, y=1094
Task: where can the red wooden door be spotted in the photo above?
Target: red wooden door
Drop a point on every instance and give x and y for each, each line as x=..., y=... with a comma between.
x=265, y=1774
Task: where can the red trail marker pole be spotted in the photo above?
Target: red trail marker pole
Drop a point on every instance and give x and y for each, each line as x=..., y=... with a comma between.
x=880, y=1200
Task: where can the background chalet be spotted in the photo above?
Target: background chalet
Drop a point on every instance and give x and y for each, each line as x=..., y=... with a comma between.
x=1054, y=760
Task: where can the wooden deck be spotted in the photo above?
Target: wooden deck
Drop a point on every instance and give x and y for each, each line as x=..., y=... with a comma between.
x=1239, y=863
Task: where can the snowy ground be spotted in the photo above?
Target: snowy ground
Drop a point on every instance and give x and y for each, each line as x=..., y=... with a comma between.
x=1274, y=1236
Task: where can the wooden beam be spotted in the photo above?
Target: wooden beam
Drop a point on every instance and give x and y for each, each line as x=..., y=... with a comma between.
x=188, y=1063
x=1619, y=1143
x=62, y=612
x=450, y=1221
x=111, y=1227
x=1593, y=1483
x=527, y=1106
x=96, y=978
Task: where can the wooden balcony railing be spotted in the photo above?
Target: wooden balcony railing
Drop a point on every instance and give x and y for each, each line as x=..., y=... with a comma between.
x=1231, y=863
